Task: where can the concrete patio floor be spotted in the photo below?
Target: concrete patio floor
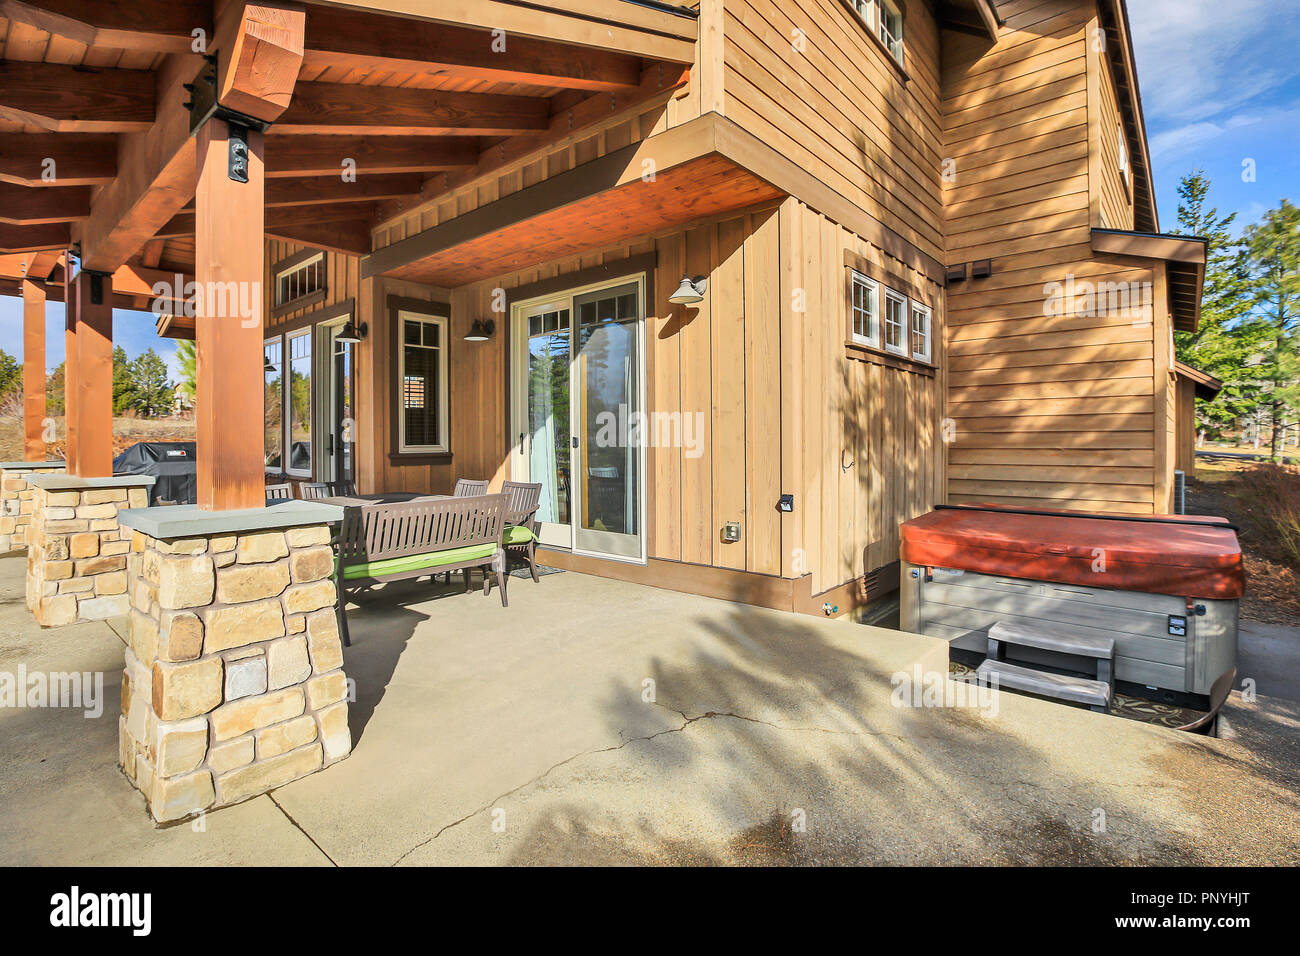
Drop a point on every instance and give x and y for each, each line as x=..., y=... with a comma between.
x=529, y=735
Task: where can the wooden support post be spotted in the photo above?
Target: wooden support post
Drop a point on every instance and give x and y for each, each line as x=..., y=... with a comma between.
x=229, y=222
x=89, y=386
x=33, y=370
x=70, y=377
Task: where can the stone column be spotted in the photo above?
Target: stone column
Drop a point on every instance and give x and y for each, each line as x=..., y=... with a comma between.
x=18, y=499
x=76, y=555
x=234, y=680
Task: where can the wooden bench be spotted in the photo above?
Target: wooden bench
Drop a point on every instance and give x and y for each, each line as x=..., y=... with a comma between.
x=379, y=543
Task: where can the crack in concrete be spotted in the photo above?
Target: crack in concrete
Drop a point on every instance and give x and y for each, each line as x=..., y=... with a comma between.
x=299, y=827
x=687, y=721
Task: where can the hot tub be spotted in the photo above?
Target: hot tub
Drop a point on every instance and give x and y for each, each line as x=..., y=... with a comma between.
x=1165, y=588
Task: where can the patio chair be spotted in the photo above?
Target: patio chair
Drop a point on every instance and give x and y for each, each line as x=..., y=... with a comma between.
x=328, y=489
x=392, y=542
x=313, y=489
x=521, y=521
x=469, y=487
x=281, y=492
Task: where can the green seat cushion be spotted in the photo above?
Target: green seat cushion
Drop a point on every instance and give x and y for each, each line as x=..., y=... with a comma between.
x=517, y=534
x=417, y=562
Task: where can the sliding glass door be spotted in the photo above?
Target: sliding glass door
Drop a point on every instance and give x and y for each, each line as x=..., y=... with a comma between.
x=578, y=393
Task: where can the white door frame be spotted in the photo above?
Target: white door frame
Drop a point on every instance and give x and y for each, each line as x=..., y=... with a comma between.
x=519, y=457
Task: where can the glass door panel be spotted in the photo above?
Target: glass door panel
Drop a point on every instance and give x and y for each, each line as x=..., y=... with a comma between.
x=547, y=438
x=607, y=391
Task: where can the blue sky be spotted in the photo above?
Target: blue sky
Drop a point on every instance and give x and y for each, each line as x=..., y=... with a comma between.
x=1220, y=85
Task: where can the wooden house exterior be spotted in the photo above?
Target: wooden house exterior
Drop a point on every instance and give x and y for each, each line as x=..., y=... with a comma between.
x=876, y=195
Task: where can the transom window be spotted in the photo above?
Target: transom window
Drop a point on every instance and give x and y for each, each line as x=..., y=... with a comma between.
x=895, y=322
x=300, y=281
x=866, y=310
x=422, y=372
x=884, y=18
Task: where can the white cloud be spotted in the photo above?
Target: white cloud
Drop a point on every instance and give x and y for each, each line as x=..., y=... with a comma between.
x=1264, y=128
x=1198, y=59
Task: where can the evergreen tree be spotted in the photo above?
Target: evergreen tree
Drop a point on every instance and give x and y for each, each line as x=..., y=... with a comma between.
x=1273, y=266
x=152, y=393
x=187, y=353
x=11, y=373
x=123, y=381
x=1223, y=342
x=54, y=404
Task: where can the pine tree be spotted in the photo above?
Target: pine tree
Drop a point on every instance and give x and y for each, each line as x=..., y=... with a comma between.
x=1273, y=265
x=187, y=354
x=153, y=394
x=54, y=404
x=11, y=373
x=123, y=381
x=1223, y=341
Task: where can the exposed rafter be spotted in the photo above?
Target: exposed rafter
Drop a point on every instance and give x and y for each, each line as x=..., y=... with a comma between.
x=334, y=109
x=76, y=99
x=364, y=43
x=366, y=156
x=57, y=159
x=23, y=204
x=158, y=26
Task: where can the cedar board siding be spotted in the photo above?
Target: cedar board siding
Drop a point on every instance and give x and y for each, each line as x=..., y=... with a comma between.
x=1064, y=410
x=1112, y=189
x=839, y=109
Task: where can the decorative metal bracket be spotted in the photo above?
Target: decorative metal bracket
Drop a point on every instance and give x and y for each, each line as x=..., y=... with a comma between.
x=203, y=106
x=97, y=285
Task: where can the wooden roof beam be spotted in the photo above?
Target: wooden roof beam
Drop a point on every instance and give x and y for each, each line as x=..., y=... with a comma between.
x=75, y=99
x=155, y=26
x=25, y=205
x=331, y=108
x=641, y=30
x=294, y=156
x=366, y=43
x=323, y=190
x=57, y=159
x=284, y=217
x=54, y=235
x=157, y=173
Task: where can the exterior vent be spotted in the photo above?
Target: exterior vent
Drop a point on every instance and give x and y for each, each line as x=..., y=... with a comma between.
x=1180, y=493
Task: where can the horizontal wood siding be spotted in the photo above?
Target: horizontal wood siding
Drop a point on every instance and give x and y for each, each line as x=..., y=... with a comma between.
x=1112, y=189
x=1049, y=409
x=808, y=78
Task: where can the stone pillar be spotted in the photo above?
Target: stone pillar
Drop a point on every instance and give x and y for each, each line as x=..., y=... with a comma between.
x=76, y=555
x=18, y=499
x=234, y=682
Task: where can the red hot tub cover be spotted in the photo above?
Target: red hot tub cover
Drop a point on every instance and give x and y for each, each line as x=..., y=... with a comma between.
x=1169, y=555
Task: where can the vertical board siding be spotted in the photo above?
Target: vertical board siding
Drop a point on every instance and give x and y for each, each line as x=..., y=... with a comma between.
x=863, y=439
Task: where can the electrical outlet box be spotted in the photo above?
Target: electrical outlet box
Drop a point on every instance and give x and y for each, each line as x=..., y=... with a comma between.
x=731, y=531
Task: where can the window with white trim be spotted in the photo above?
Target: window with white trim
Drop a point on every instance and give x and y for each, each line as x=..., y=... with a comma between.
x=422, y=378
x=921, y=316
x=865, y=307
x=884, y=18
x=1123, y=153
x=895, y=325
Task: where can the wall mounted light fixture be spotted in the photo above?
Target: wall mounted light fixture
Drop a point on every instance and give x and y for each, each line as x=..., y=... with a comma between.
x=690, y=291
x=351, y=333
x=481, y=330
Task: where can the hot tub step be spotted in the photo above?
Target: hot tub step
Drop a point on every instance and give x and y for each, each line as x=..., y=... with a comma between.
x=1079, y=690
x=1053, y=637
